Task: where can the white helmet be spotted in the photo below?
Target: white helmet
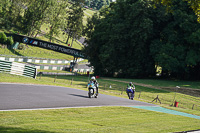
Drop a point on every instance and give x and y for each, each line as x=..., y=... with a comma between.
x=93, y=78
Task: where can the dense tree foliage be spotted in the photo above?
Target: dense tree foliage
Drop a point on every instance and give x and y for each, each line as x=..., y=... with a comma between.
x=177, y=48
x=135, y=37
x=194, y=4
x=36, y=14
x=74, y=21
x=28, y=16
x=119, y=38
x=57, y=18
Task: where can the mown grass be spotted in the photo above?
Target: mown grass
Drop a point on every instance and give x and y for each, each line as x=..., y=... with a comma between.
x=95, y=119
x=166, y=83
x=31, y=51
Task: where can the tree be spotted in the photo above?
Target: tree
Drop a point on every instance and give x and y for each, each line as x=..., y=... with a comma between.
x=91, y=22
x=4, y=12
x=119, y=44
x=194, y=4
x=3, y=38
x=16, y=9
x=75, y=21
x=134, y=37
x=177, y=48
x=57, y=17
x=36, y=14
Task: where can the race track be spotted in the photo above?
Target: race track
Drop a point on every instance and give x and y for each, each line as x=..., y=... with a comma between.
x=22, y=96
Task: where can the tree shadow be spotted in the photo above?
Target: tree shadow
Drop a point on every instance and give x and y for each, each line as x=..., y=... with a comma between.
x=14, y=52
x=20, y=130
x=57, y=40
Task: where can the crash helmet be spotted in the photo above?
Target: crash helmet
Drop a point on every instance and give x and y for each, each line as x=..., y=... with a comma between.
x=130, y=83
x=93, y=78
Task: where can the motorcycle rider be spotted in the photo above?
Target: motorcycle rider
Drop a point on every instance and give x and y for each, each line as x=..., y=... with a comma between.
x=93, y=79
x=132, y=90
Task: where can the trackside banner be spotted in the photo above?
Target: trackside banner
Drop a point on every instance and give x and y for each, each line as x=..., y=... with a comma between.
x=46, y=45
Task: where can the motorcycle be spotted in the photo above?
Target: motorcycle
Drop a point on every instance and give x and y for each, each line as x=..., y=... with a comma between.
x=92, y=90
x=130, y=92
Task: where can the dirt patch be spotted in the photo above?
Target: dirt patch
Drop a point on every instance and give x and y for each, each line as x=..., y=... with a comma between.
x=183, y=90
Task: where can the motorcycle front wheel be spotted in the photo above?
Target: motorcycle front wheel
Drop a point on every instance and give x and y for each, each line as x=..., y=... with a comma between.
x=90, y=93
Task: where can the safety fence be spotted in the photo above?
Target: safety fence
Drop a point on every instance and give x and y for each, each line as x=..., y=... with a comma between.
x=43, y=61
x=51, y=67
x=17, y=69
x=35, y=60
x=83, y=70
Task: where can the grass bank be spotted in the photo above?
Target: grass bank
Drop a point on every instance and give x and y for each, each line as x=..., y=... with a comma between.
x=165, y=83
x=97, y=119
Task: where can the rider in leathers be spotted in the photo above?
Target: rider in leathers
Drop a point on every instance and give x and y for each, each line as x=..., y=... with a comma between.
x=93, y=79
x=130, y=90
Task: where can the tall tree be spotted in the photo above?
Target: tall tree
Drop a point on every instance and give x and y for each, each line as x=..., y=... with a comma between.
x=57, y=17
x=119, y=44
x=5, y=5
x=11, y=12
x=91, y=22
x=134, y=37
x=75, y=21
x=36, y=14
x=177, y=49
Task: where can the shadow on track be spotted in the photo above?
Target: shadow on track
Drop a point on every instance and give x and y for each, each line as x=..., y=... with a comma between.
x=79, y=95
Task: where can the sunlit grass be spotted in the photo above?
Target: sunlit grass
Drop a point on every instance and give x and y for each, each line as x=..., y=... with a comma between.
x=98, y=119
x=166, y=83
x=32, y=51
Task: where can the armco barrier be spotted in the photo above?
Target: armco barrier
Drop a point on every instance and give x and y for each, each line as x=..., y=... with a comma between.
x=35, y=60
x=18, y=69
x=83, y=70
x=50, y=67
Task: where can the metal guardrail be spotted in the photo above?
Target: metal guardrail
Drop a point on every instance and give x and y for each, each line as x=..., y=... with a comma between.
x=18, y=69
x=35, y=60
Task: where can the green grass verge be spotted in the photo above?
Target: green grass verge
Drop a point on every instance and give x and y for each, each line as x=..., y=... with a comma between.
x=166, y=83
x=97, y=119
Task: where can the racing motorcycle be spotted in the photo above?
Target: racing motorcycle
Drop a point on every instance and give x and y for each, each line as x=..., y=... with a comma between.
x=92, y=90
x=130, y=92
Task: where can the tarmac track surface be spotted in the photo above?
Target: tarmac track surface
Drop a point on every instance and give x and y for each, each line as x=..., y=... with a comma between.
x=23, y=96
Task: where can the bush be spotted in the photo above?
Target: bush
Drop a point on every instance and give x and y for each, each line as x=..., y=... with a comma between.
x=9, y=41
x=21, y=46
x=3, y=38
